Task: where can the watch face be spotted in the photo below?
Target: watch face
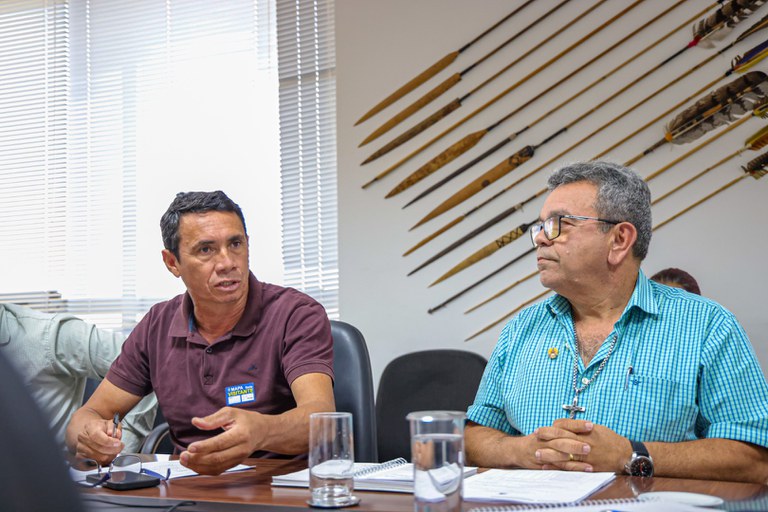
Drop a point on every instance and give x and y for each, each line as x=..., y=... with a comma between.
x=641, y=466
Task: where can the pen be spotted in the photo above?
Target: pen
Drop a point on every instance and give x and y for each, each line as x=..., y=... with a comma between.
x=626, y=380
x=115, y=422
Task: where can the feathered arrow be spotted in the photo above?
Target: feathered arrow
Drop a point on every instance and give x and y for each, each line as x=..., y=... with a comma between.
x=503, y=93
x=739, y=64
x=718, y=108
x=433, y=69
x=447, y=84
x=756, y=166
x=721, y=107
x=504, y=167
x=462, y=145
x=754, y=143
x=731, y=13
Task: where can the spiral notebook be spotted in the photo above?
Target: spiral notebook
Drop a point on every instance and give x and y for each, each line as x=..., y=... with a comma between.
x=393, y=476
x=625, y=505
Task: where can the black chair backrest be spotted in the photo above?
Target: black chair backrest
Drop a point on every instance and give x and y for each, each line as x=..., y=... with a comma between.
x=440, y=379
x=33, y=474
x=353, y=387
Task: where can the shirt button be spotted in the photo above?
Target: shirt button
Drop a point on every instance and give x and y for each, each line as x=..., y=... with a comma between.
x=208, y=350
x=584, y=380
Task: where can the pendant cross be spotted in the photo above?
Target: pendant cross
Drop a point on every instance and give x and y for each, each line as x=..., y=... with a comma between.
x=574, y=407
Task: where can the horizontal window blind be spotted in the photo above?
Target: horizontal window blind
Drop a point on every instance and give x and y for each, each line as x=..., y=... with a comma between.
x=307, y=71
x=109, y=108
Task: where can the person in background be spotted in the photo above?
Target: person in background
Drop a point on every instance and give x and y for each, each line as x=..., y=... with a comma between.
x=56, y=354
x=237, y=365
x=616, y=372
x=678, y=279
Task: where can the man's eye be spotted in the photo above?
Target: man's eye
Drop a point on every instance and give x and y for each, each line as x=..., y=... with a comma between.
x=205, y=250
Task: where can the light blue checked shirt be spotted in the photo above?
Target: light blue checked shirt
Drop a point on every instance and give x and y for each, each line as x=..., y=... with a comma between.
x=693, y=372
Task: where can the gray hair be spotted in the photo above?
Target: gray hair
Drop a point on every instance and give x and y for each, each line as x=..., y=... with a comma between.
x=193, y=202
x=622, y=195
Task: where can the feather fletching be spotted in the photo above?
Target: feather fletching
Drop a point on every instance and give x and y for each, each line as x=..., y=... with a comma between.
x=750, y=57
x=720, y=107
x=757, y=167
x=717, y=25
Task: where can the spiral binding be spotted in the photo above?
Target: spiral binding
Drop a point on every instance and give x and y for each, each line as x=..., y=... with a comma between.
x=587, y=503
x=381, y=467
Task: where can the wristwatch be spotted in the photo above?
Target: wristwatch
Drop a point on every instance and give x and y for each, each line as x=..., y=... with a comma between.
x=641, y=463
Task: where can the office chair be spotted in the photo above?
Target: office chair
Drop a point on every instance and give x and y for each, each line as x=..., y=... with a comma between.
x=159, y=438
x=33, y=474
x=352, y=391
x=353, y=387
x=427, y=380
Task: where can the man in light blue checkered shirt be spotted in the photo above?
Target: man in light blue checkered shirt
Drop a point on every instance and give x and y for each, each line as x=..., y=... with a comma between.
x=616, y=372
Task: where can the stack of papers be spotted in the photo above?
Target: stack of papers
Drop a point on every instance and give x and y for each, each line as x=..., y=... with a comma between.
x=393, y=476
x=533, y=486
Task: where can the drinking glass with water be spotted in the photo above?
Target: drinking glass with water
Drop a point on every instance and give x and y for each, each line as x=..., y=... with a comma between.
x=437, y=450
x=331, y=460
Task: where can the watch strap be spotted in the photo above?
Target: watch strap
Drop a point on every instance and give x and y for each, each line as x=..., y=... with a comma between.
x=639, y=448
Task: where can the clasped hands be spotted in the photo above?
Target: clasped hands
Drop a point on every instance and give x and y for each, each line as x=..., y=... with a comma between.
x=577, y=445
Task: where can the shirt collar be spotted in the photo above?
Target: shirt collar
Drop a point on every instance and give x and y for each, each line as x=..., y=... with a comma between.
x=642, y=299
x=183, y=320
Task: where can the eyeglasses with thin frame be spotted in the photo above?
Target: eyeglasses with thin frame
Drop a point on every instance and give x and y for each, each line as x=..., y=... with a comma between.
x=126, y=463
x=552, y=228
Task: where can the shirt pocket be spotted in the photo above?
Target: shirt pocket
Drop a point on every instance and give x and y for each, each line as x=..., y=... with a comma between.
x=657, y=408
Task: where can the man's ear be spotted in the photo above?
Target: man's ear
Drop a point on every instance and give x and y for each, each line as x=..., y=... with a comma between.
x=622, y=242
x=171, y=263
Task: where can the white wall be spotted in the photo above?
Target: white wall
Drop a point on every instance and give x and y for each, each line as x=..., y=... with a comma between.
x=382, y=44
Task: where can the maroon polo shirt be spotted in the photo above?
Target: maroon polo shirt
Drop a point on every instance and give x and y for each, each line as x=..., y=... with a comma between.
x=282, y=335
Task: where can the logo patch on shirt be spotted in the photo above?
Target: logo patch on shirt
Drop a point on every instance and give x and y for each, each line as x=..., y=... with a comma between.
x=240, y=394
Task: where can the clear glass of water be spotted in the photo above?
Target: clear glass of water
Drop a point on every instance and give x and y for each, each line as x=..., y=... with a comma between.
x=331, y=460
x=437, y=451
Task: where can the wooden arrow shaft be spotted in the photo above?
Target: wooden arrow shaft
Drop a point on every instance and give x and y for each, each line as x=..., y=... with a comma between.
x=464, y=167
x=509, y=89
x=409, y=134
x=444, y=111
x=475, y=232
x=697, y=176
x=697, y=203
x=453, y=80
x=498, y=171
x=484, y=252
x=572, y=98
x=443, y=158
x=502, y=292
x=521, y=306
x=481, y=281
x=413, y=107
x=410, y=85
x=435, y=68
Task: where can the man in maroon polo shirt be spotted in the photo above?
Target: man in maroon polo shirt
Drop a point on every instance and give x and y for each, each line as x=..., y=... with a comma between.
x=237, y=365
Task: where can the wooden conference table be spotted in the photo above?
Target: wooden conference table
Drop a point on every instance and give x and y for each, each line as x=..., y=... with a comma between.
x=253, y=487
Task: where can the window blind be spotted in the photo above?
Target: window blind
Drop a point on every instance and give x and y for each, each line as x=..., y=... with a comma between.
x=109, y=108
x=307, y=73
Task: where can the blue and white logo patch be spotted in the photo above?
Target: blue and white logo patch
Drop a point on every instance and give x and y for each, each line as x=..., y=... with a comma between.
x=240, y=394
